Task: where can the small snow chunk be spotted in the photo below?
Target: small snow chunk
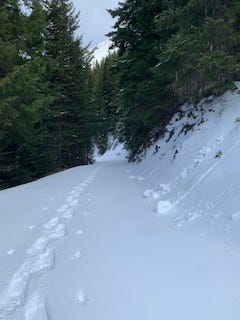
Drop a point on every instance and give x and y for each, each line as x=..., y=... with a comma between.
x=31, y=227
x=219, y=140
x=10, y=252
x=77, y=255
x=236, y=216
x=140, y=178
x=180, y=223
x=164, y=188
x=79, y=232
x=164, y=206
x=151, y=194
x=155, y=195
x=148, y=193
x=81, y=297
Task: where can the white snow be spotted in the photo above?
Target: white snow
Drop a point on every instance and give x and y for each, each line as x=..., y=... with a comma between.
x=79, y=231
x=115, y=151
x=35, y=308
x=164, y=206
x=82, y=299
x=10, y=252
x=157, y=240
x=101, y=51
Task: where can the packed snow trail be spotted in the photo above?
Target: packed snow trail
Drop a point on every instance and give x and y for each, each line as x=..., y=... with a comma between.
x=92, y=247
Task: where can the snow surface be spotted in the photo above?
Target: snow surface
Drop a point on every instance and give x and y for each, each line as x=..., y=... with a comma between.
x=157, y=240
x=115, y=151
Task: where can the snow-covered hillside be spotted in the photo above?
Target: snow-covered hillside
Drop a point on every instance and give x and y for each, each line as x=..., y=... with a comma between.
x=101, y=51
x=113, y=240
x=194, y=169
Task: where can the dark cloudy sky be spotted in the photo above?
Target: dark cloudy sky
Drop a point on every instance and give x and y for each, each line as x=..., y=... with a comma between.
x=95, y=21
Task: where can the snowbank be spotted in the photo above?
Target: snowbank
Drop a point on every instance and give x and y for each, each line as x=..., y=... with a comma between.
x=195, y=165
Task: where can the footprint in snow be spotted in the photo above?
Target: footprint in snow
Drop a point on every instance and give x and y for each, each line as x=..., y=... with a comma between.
x=70, y=198
x=63, y=208
x=74, y=203
x=68, y=214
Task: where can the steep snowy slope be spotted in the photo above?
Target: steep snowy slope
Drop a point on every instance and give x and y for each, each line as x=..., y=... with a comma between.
x=157, y=240
x=194, y=170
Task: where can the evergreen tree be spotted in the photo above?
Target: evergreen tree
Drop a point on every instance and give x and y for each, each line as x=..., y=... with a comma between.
x=23, y=99
x=201, y=52
x=105, y=99
x=171, y=52
x=138, y=41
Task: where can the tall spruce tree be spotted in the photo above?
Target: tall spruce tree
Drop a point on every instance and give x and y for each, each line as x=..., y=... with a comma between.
x=23, y=96
x=138, y=41
x=67, y=70
x=171, y=52
x=105, y=100
x=200, y=54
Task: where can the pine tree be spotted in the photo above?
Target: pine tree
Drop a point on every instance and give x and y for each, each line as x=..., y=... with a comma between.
x=105, y=99
x=24, y=98
x=136, y=37
x=200, y=53
x=67, y=70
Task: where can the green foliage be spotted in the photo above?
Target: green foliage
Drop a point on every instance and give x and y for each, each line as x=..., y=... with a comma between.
x=171, y=52
x=67, y=77
x=105, y=101
x=44, y=93
x=138, y=41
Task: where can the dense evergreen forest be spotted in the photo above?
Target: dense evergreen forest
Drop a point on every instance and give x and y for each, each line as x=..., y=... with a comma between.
x=55, y=106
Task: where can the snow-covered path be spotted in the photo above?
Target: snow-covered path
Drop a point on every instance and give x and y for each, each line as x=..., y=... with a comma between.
x=88, y=245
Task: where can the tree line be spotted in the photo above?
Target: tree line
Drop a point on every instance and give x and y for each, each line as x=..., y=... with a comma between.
x=171, y=52
x=48, y=118
x=55, y=106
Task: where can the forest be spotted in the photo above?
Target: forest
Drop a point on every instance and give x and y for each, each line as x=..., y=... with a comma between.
x=56, y=106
